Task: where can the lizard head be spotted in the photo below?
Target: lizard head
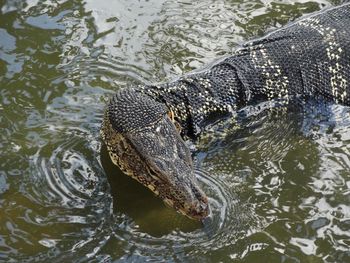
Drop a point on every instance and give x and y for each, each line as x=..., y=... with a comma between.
x=143, y=141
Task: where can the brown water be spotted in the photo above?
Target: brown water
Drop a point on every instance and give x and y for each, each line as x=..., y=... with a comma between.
x=278, y=181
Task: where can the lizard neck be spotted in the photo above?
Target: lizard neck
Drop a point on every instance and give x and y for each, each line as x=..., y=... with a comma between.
x=197, y=99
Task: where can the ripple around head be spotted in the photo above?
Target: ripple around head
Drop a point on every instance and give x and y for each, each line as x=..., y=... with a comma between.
x=66, y=190
x=63, y=174
x=229, y=221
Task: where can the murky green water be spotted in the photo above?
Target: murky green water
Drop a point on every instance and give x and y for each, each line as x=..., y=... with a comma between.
x=279, y=182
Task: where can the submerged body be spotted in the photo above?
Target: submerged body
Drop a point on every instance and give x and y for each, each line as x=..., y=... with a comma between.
x=144, y=126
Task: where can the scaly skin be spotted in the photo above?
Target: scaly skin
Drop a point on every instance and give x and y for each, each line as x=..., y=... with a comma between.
x=142, y=125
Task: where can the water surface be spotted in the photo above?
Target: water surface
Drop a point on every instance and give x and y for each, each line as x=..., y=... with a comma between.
x=278, y=180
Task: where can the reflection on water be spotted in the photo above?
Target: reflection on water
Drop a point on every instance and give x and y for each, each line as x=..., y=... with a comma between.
x=277, y=180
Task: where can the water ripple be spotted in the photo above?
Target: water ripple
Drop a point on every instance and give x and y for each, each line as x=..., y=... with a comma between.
x=230, y=221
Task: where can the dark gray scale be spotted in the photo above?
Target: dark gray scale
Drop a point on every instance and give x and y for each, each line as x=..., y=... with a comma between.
x=310, y=57
x=198, y=98
x=304, y=56
x=128, y=105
